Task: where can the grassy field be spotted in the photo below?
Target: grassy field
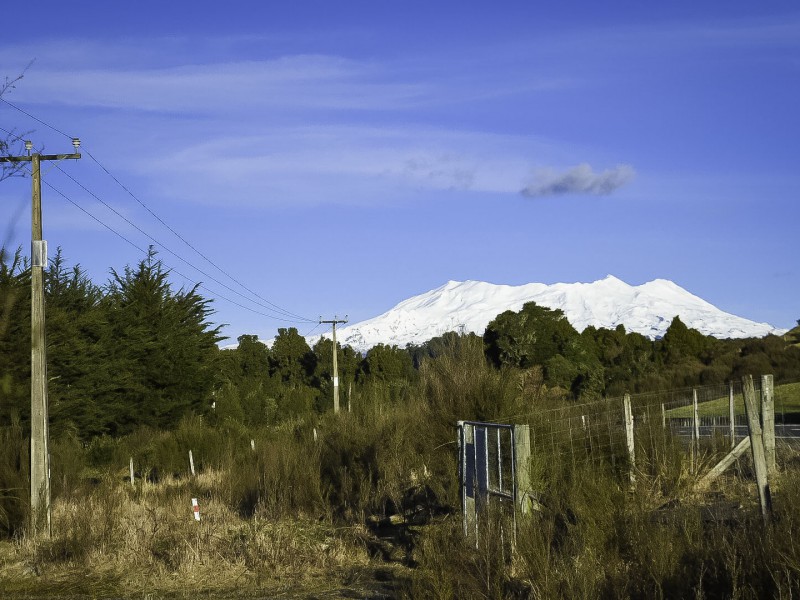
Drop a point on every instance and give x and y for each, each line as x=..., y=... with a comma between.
x=787, y=402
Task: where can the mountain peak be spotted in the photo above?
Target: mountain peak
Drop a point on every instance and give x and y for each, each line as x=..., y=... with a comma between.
x=469, y=306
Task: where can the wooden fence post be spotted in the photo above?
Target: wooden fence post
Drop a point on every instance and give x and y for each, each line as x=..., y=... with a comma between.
x=191, y=463
x=629, y=434
x=523, y=487
x=466, y=448
x=663, y=417
x=757, y=446
x=732, y=414
x=131, y=465
x=768, y=421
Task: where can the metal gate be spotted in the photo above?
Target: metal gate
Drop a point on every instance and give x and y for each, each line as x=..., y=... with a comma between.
x=490, y=469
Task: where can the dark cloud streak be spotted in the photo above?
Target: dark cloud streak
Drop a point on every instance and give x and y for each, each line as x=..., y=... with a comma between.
x=580, y=179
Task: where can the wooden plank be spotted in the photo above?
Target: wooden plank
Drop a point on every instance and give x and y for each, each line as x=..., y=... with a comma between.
x=726, y=462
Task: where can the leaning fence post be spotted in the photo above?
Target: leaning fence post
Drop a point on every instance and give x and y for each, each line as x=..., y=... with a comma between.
x=191, y=463
x=732, y=414
x=768, y=421
x=629, y=434
x=757, y=446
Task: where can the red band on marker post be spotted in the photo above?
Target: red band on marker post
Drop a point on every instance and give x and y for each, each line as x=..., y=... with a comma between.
x=196, y=509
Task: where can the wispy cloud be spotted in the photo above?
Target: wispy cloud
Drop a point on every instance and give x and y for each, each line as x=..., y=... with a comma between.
x=341, y=164
x=295, y=82
x=580, y=179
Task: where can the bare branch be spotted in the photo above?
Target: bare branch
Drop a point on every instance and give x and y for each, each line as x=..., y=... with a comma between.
x=12, y=143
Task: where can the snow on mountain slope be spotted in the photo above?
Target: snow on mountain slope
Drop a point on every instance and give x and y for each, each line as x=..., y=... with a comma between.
x=469, y=306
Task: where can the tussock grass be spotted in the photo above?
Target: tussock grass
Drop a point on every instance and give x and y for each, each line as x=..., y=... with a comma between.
x=127, y=542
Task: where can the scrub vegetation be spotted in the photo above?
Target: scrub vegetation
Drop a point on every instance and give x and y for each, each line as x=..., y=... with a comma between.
x=296, y=501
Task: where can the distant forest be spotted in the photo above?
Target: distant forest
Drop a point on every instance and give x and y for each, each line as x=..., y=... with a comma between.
x=136, y=352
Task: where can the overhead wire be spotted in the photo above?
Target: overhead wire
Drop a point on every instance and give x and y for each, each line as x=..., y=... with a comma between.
x=189, y=244
x=134, y=245
x=18, y=138
x=38, y=120
x=270, y=306
x=317, y=326
x=169, y=250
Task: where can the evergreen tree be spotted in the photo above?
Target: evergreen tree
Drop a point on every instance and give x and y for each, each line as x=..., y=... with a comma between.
x=76, y=354
x=291, y=358
x=387, y=363
x=246, y=391
x=161, y=348
x=15, y=336
x=348, y=362
x=537, y=335
x=529, y=337
x=292, y=365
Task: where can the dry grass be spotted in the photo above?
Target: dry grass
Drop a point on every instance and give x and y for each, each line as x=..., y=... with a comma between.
x=119, y=541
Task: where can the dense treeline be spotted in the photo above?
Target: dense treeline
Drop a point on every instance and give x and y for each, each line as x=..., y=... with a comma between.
x=605, y=362
x=133, y=352
x=136, y=352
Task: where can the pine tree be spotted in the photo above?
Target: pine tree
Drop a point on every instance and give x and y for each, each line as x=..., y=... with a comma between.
x=161, y=348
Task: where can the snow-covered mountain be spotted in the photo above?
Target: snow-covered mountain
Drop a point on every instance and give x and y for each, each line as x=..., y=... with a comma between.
x=468, y=306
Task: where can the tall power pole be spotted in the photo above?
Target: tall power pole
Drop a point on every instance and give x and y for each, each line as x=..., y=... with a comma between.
x=335, y=378
x=40, y=457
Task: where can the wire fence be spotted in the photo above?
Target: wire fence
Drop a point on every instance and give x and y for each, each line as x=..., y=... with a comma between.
x=711, y=418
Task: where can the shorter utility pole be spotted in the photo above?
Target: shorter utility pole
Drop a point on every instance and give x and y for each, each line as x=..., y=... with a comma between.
x=40, y=454
x=335, y=377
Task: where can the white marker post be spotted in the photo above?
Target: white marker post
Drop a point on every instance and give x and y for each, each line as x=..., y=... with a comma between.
x=196, y=509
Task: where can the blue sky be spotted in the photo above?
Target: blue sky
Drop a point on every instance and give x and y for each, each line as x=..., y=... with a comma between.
x=337, y=158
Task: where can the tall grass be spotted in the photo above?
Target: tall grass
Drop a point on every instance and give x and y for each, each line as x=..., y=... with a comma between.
x=287, y=513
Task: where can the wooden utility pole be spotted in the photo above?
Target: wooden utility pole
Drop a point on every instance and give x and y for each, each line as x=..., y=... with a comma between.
x=335, y=377
x=40, y=458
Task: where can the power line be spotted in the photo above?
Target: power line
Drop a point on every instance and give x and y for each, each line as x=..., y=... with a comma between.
x=24, y=112
x=271, y=306
x=142, y=250
x=317, y=326
x=279, y=311
x=12, y=134
x=190, y=245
